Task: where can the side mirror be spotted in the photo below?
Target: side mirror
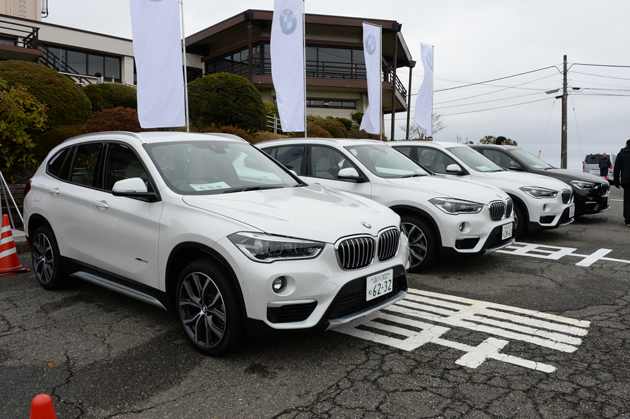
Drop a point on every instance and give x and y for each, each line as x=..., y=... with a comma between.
x=515, y=166
x=455, y=169
x=349, y=173
x=133, y=188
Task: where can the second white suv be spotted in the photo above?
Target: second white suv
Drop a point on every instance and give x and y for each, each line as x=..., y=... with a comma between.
x=437, y=214
x=539, y=201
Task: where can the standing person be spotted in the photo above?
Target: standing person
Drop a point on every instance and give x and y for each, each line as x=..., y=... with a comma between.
x=500, y=140
x=604, y=165
x=429, y=138
x=622, y=177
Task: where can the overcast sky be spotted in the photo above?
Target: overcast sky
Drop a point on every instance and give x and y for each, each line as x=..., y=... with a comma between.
x=474, y=41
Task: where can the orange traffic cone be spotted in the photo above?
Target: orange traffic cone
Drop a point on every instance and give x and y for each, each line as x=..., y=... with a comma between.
x=42, y=407
x=9, y=262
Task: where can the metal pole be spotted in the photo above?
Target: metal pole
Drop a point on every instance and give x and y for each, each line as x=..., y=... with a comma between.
x=304, y=59
x=181, y=3
x=394, y=78
x=563, y=151
x=412, y=64
x=381, y=122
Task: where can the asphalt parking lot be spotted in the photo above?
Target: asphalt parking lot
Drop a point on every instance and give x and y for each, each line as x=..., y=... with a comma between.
x=538, y=330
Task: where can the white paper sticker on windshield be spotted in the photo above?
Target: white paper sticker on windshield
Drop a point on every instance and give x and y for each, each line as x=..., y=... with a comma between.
x=210, y=186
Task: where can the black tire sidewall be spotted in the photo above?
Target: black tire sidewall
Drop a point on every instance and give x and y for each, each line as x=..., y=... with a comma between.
x=58, y=281
x=521, y=214
x=432, y=243
x=234, y=328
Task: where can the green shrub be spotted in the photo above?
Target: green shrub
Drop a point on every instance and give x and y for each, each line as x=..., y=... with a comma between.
x=314, y=131
x=116, y=119
x=357, y=117
x=228, y=129
x=111, y=95
x=20, y=113
x=261, y=136
x=334, y=127
x=345, y=122
x=50, y=139
x=66, y=102
x=225, y=99
x=358, y=133
x=271, y=109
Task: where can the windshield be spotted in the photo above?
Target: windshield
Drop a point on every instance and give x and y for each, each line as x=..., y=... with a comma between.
x=385, y=162
x=531, y=160
x=214, y=167
x=475, y=160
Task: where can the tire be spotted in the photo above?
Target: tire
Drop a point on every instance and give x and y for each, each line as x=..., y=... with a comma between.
x=209, y=310
x=46, y=260
x=520, y=219
x=423, y=244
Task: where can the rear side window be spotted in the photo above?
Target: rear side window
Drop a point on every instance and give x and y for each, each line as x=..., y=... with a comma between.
x=59, y=164
x=291, y=157
x=84, y=166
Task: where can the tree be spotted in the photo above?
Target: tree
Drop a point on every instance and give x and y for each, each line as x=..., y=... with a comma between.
x=489, y=139
x=437, y=125
x=20, y=113
x=226, y=99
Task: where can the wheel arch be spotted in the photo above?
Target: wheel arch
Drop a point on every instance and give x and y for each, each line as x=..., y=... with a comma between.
x=187, y=252
x=35, y=221
x=408, y=209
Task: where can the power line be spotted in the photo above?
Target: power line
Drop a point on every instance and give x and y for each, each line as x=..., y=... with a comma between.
x=489, y=81
x=499, y=107
x=489, y=101
x=599, y=75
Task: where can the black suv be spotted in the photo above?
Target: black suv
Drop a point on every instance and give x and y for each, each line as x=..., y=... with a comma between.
x=592, y=193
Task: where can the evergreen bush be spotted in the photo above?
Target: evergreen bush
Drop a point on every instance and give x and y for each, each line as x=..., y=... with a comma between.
x=226, y=99
x=116, y=119
x=66, y=102
x=334, y=127
x=228, y=129
x=111, y=95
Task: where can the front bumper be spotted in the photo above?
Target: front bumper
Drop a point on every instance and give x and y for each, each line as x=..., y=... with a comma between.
x=592, y=201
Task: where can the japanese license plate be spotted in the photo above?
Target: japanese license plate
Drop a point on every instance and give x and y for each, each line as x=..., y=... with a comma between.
x=379, y=284
x=506, y=231
x=572, y=211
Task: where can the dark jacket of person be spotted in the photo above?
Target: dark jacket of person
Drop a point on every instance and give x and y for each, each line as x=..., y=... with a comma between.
x=604, y=163
x=621, y=173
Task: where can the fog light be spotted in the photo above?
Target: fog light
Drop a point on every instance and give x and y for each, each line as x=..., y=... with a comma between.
x=279, y=284
x=546, y=207
x=462, y=226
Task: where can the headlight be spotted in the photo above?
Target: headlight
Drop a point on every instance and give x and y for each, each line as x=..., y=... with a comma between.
x=583, y=185
x=539, y=192
x=265, y=248
x=456, y=206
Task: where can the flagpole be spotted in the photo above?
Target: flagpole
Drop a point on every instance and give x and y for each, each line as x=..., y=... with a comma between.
x=181, y=3
x=380, y=122
x=304, y=59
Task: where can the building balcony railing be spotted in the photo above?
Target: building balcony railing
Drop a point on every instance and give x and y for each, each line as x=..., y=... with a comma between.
x=314, y=69
x=23, y=36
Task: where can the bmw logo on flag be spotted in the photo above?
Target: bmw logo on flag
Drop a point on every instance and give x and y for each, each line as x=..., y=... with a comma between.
x=288, y=22
x=370, y=44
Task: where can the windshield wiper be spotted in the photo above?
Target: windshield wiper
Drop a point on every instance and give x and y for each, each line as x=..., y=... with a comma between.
x=252, y=188
x=414, y=175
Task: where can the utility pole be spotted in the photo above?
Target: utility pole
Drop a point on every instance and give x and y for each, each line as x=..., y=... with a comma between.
x=563, y=151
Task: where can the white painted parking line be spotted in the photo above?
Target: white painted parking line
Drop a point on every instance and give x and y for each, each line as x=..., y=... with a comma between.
x=556, y=253
x=411, y=323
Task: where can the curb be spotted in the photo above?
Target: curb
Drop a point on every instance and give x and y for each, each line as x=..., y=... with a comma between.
x=21, y=245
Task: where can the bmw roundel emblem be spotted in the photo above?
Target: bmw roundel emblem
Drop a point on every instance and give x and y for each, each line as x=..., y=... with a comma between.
x=370, y=44
x=366, y=225
x=288, y=22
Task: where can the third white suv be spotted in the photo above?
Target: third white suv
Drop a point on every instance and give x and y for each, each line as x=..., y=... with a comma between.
x=539, y=201
x=437, y=213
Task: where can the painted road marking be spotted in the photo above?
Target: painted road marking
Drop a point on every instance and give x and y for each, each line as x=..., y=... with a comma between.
x=411, y=323
x=556, y=253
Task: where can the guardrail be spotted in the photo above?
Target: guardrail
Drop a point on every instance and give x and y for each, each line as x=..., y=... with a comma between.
x=273, y=124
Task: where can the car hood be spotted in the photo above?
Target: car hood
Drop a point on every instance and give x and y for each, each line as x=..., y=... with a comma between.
x=569, y=175
x=442, y=187
x=511, y=180
x=310, y=212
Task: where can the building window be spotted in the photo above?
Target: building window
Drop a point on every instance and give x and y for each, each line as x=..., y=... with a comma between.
x=327, y=103
x=81, y=63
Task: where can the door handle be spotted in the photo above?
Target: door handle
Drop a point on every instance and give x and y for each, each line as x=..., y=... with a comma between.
x=101, y=204
x=54, y=191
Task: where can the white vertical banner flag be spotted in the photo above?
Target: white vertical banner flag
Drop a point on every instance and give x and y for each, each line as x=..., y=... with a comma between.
x=287, y=63
x=157, y=36
x=371, y=121
x=424, y=101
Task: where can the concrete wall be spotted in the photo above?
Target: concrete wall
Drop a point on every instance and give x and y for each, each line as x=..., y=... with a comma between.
x=26, y=9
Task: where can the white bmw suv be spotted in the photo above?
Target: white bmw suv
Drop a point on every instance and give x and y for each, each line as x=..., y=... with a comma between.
x=213, y=229
x=439, y=215
x=539, y=201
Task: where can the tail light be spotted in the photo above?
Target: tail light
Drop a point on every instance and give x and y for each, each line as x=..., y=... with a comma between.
x=27, y=188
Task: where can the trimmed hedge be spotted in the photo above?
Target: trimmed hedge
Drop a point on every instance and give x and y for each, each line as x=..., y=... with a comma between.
x=111, y=95
x=225, y=99
x=228, y=129
x=116, y=119
x=66, y=102
x=334, y=127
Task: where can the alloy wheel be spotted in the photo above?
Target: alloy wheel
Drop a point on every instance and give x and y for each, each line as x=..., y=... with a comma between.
x=418, y=245
x=43, y=259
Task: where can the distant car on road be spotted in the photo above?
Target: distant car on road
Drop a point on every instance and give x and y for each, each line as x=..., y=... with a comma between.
x=591, y=164
x=539, y=201
x=213, y=229
x=592, y=193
